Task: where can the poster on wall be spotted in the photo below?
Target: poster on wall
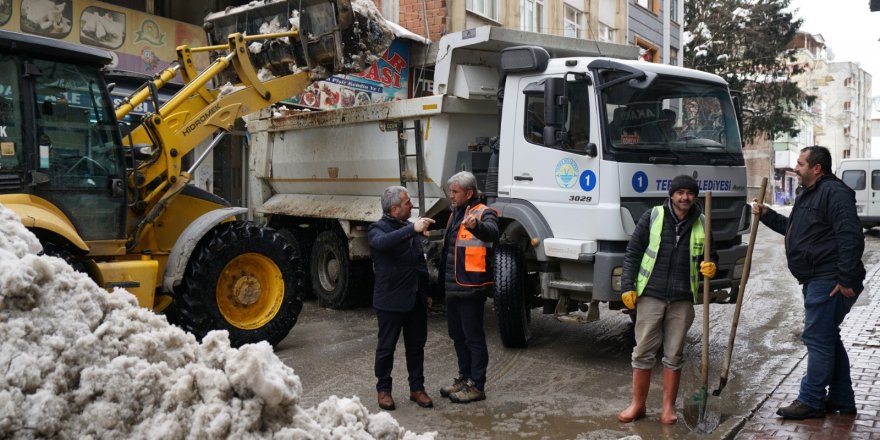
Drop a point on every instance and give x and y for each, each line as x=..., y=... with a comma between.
x=384, y=81
x=137, y=41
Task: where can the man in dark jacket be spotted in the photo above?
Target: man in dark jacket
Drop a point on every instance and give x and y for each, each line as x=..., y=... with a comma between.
x=400, y=294
x=661, y=273
x=824, y=243
x=468, y=277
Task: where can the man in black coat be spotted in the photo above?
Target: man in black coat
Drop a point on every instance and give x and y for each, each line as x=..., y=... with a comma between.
x=824, y=243
x=400, y=294
x=468, y=277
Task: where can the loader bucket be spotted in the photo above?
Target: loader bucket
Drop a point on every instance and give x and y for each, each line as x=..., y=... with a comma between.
x=336, y=36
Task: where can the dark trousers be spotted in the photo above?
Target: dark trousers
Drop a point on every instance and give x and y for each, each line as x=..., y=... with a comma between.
x=465, y=320
x=415, y=332
x=828, y=369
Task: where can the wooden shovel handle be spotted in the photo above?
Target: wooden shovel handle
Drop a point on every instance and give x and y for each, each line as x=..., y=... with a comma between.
x=747, y=265
x=706, y=257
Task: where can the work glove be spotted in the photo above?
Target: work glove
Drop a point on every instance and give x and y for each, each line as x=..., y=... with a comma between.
x=707, y=268
x=629, y=299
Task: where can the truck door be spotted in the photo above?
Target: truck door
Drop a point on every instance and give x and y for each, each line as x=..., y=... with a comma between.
x=557, y=176
x=77, y=148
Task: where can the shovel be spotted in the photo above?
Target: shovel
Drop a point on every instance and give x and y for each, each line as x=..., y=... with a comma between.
x=695, y=406
x=747, y=265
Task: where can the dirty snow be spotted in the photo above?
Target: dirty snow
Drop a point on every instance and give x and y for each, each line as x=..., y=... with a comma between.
x=78, y=362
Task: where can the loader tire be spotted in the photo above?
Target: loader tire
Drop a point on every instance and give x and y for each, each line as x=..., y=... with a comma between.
x=337, y=281
x=511, y=305
x=241, y=278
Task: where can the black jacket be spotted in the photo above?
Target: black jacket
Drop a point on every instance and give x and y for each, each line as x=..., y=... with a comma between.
x=399, y=265
x=823, y=234
x=486, y=230
x=670, y=279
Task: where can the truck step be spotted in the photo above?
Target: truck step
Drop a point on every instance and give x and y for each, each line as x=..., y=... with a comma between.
x=575, y=286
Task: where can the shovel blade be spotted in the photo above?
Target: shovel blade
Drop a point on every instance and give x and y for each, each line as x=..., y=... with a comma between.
x=697, y=415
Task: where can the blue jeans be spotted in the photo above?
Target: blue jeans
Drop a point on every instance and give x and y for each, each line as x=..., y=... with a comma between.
x=827, y=374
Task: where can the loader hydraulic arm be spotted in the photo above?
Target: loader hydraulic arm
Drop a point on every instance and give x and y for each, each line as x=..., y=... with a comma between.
x=333, y=37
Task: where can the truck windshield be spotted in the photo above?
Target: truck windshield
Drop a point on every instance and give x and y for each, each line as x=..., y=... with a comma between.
x=673, y=120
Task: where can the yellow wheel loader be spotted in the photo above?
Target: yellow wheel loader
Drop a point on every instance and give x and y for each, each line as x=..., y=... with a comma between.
x=119, y=206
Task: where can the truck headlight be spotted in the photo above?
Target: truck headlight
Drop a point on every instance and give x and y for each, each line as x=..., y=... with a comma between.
x=615, y=278
x=738, y=268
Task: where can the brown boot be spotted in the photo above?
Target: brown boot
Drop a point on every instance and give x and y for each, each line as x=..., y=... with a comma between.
x=386, y=402
x=641, y=384
x=671, y=379
x=421, y=398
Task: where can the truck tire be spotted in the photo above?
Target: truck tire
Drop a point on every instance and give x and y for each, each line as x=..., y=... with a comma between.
x=244, y=279
x=337, y=281
x=511, y=305
x=302, y=239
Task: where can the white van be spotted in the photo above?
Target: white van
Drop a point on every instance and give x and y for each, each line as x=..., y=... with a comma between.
x=863, y=176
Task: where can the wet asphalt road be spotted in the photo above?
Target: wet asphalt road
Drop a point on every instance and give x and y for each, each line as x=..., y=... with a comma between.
x=572, y=379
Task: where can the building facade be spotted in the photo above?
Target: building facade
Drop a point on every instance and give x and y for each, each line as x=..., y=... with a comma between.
x=839, y=118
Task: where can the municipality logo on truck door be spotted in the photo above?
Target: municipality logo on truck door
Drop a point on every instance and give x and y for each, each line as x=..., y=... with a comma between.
x=567, y=173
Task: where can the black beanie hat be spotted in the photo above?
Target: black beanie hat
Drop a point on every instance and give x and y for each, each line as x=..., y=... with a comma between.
x=684, y=182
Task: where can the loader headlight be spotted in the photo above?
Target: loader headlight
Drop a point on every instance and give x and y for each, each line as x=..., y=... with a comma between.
x=615, y=278
x=738, y=268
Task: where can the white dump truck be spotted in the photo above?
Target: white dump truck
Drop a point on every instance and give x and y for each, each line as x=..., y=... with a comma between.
x=569, y=148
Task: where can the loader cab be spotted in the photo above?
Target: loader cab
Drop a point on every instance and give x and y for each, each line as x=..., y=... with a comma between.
x=58, y=132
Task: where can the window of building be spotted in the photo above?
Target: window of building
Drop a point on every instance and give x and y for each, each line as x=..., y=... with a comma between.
x=532, y=15
x=648, y=51
x=486, y=8
x=673, y=10
x=846, y=131
x=673, y=57
x=573, y=22
x=606, y=33
x=846, y=154
x=651, y=5
x=846, y=106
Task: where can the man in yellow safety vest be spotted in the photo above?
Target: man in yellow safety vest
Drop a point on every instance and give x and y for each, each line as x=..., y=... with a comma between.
x=661, y=272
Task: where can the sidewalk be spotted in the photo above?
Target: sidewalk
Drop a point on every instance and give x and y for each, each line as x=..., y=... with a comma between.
x=861, y=334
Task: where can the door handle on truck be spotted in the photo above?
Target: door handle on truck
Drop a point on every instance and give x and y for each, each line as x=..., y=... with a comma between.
x=528, y=178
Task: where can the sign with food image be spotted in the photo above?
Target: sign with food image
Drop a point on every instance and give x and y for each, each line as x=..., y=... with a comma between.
x=385, y=81
x=137, y=41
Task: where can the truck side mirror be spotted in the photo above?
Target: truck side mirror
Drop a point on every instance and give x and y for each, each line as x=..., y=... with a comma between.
x=554, y=101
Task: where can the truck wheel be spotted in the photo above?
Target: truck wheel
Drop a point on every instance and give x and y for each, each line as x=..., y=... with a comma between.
x=302, y=239
x=511, y=305
x=242, y=278
x=337, y=281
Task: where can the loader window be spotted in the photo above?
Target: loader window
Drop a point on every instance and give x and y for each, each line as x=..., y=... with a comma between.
x=11, y=149
x=74, y=127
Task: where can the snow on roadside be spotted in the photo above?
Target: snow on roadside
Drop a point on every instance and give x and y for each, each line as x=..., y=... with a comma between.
x=77, y=362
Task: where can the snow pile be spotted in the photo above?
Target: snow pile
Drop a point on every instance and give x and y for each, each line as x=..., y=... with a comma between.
x=77, y=362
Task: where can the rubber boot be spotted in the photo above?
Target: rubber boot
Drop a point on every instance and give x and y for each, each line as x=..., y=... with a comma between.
x=641, y=383
x=671, y=379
